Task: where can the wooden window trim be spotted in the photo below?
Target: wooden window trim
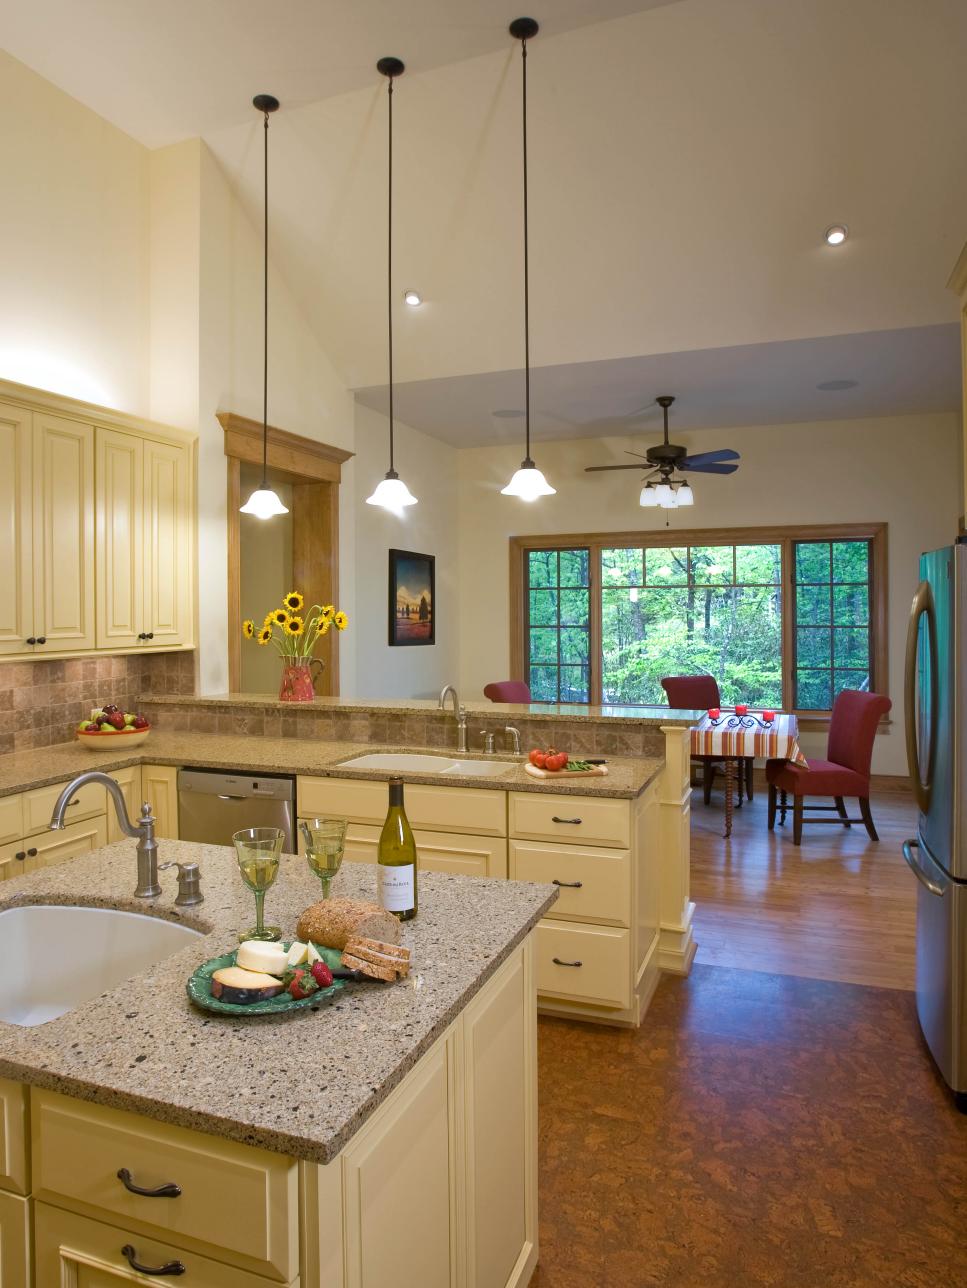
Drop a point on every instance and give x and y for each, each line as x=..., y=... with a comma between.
x=595, y=542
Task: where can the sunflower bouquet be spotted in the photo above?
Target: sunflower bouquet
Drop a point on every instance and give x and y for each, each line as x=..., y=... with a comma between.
x=293, y=631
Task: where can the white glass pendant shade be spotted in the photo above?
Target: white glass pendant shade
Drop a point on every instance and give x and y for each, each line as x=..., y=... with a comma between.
x=392, y=494
x=528, y=483
x=666, y=496
x=649, y=495
x=263, y=504
x=685, y=495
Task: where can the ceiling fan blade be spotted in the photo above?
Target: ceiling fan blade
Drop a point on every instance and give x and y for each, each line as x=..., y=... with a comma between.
x=702, y=469
x=640, y=455
x=711, y=458
x=595, y=469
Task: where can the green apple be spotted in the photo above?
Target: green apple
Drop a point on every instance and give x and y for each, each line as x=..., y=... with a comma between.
x=107, y=728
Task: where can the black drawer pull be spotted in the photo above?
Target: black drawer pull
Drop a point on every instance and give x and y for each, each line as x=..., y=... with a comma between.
x=21, y=855
x=169, y=1267
x=168, y=1191
x=32, y=852
x=555, y=819
x=568, y=885
x=557, y=962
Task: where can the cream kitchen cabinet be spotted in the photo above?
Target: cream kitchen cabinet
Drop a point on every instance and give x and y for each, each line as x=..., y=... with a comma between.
x=159, y=786
x=469, y=856
x=143, y=541
x=15, y=1242
x=97, y=530
x=36, y=846
x=129, y=781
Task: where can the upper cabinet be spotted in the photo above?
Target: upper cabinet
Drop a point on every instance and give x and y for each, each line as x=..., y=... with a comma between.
x=96, y=525
x=143, y=507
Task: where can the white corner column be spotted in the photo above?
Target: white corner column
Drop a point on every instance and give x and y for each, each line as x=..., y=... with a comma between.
x=676, y=942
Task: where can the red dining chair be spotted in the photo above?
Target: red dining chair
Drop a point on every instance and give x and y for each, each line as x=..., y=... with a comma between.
x=699, y=693
x=844, y=772
x=507, y=691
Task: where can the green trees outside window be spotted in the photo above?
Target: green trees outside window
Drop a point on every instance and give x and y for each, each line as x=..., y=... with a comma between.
x=558, y=625
x=832, y=645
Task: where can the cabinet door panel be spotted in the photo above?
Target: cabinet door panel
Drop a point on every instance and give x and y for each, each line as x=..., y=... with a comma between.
x=467, y=856
x=11, y=818
x=14, y=1171
x=129, y=781
x=120, y=524
x=159, y=787
x=63, y=533
x=167, y=551
x=15, y=1243
x=16, y=531
x=38, y=805
x=11, y=864
x=50, y=848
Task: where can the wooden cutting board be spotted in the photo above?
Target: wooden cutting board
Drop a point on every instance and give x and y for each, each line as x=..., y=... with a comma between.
x=597, y=772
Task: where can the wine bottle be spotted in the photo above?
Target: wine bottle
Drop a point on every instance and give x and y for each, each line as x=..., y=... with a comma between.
x=396, y=859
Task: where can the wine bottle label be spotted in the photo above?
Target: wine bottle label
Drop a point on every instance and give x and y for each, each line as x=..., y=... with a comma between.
x=395, y=886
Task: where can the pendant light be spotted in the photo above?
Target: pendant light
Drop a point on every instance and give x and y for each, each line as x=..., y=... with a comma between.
x=528, y=482
x=264, y=503
x=391, y=492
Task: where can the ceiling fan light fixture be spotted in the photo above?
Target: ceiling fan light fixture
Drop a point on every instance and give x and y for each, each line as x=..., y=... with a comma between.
x=649, y=495
x=665, y=495
x=685, y=495
x=528, y=483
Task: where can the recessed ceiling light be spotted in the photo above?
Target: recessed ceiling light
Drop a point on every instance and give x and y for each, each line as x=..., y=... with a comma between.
x=831, y=386
x=413, y=298
x=836, y=234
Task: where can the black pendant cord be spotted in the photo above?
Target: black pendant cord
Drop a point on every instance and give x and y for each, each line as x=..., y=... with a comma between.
x=389, y=268
x=527, y=332
x=265, y=311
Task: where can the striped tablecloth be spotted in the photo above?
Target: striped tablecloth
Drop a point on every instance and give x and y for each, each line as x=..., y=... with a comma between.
x=735, y=737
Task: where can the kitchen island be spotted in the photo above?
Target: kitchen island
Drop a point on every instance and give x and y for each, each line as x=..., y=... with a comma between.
x=386, y=1136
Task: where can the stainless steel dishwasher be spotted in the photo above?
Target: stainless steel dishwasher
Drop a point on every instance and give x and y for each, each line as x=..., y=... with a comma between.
x=213, y=804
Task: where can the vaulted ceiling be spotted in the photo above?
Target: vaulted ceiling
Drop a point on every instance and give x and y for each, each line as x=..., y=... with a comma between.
x=685, y=160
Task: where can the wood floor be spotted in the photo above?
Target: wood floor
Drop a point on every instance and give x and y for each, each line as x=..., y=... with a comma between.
x=838, y=907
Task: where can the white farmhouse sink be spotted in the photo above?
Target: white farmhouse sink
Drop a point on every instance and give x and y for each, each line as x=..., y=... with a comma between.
x=403, y=762
x=53, y=958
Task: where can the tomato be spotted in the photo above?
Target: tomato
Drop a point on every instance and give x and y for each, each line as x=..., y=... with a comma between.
x=538, y=757
x=556, y=761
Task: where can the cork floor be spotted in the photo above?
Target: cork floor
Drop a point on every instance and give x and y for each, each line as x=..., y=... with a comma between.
x=762, y=1128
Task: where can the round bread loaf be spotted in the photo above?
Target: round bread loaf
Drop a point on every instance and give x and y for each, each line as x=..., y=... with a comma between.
x=333, y=922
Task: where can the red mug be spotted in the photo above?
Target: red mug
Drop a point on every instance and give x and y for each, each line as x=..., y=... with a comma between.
x=714, y=713
x=768, y=716
x=741, y=709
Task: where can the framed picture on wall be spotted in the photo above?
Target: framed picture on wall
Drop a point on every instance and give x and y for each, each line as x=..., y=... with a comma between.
x=412, y=596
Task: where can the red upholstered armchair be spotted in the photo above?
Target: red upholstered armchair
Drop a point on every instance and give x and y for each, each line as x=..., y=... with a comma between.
x=507, y=691
x=844, y=772
x=698, y=693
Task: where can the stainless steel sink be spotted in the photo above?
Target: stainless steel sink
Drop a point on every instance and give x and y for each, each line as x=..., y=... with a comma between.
x=52, y=959
x=412, y=762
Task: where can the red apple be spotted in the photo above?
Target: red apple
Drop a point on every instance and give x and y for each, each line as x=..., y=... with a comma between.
x=140, y=722
x=117, y=720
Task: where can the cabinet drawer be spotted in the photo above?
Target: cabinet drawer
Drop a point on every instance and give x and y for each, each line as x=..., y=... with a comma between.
x=604, y=973
x=237, y=1198
x=87, y=801
x=11, y=818
x=595, y=885
x=49, y=848
x=75, y=1250
x=440, y=809
x=11, y=865
x=14, y=1173
x=468, y=856
x=570, y=818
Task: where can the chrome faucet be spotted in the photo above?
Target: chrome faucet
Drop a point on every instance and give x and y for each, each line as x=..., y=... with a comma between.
x=460, y=714
x=148, y=885
x=514, y=736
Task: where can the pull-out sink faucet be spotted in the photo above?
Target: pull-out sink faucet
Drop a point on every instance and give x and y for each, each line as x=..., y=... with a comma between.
x=148, y=885
x=460, y=713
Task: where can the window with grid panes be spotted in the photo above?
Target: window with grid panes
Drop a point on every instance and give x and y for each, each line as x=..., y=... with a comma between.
x=833, y=644
x=558, y=622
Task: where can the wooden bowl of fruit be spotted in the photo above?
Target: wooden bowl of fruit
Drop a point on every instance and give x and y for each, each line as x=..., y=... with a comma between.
x=109, y=726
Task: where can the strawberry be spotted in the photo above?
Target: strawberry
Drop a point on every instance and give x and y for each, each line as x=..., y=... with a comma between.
x=321, y=974
x=302, y=984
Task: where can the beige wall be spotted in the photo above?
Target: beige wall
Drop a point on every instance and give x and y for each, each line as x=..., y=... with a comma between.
x=265, y=557
x=429, y=469
x=902, y=470
x=73, y=247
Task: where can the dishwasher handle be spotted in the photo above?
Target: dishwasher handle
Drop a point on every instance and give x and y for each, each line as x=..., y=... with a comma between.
x=223, y=797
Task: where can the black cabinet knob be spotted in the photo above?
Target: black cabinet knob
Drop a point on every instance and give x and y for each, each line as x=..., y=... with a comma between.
x=21, y=855
x=150, y=635
x=41, y=639
x=31, y=639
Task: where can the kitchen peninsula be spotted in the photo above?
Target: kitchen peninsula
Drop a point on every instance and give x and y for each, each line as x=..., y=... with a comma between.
x=296, y=1141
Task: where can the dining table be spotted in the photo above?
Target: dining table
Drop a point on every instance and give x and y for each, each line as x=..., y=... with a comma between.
x=736, y=736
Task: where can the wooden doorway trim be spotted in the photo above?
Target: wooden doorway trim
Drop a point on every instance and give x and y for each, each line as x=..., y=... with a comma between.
x=314, y=470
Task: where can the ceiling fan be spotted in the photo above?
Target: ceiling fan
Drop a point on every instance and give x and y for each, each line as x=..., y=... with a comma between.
x=661, y=462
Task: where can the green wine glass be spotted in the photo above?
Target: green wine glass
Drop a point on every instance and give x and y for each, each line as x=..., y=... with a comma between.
x=325, y=840
x=259, y=851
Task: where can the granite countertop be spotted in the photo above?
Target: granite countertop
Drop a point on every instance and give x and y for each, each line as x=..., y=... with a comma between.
x=300, y=1084
x=20, y=771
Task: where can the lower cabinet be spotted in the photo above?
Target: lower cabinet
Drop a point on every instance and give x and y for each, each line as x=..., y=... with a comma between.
x=49, y=848
x=159, y=786
x=15, y=1243
x=468, y=856
x=129, y=781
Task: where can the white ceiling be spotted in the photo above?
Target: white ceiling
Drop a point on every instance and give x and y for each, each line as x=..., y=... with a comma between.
x=167, y=70
x=896, y=373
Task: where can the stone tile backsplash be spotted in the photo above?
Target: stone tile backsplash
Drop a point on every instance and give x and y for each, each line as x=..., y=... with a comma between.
x=42, y=701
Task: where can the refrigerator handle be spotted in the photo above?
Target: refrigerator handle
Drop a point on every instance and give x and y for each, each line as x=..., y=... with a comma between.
x=917, y=870
x=922, y=606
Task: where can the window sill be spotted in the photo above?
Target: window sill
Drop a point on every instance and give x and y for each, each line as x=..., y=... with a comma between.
x=810, y=722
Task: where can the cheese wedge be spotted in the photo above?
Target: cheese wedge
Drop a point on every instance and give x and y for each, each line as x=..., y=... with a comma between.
x=243, y=987
x=253, y=955
x=298, y=954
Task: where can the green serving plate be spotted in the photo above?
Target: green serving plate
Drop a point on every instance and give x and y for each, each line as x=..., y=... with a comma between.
x=199, y=988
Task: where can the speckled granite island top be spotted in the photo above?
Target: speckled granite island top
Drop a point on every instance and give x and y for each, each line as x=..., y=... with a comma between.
x=20, y=771
x=300, y=1084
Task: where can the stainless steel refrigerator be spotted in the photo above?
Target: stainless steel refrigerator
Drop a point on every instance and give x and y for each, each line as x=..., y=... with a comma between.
x=936, y=735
